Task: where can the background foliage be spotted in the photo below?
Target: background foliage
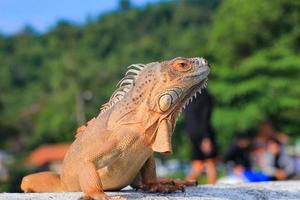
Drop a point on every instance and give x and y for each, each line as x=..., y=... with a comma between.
x=51, y=83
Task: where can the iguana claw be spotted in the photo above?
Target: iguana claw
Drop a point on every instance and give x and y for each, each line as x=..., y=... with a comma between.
x=168, y=186
x=102, y=197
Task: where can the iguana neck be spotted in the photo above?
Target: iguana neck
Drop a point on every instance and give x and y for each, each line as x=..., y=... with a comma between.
x=131, y=110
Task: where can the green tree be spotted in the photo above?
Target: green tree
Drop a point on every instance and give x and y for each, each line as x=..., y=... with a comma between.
x=256, y=53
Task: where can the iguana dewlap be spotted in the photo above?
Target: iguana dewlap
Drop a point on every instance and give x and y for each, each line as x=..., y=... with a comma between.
x=116, y=148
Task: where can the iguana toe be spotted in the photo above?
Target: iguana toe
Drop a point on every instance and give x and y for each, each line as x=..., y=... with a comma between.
x=102, y=197
x=162, y=188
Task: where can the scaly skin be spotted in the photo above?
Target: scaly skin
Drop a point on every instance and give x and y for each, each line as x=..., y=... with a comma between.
x=115, y=149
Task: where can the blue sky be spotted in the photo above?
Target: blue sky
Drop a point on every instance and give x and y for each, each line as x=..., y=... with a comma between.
x=43, y=14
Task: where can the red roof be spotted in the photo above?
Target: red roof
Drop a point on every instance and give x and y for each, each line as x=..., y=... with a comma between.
x=48, y=153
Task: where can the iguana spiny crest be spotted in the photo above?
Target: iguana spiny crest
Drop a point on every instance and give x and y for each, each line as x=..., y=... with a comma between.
x=125, y=84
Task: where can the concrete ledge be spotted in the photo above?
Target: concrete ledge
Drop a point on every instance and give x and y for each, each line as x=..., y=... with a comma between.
x=288, y=190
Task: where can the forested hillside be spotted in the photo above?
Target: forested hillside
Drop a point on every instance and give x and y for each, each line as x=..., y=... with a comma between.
x=52, y=83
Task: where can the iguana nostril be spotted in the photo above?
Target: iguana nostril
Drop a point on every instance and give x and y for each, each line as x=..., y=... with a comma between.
x=196, y=61
x=200, y=61
x=203, y=61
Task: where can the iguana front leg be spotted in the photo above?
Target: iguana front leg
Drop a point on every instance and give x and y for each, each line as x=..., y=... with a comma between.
x=89, y=179
x=148, y=181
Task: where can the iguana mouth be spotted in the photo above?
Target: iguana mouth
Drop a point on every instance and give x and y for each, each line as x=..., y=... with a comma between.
x=203, y=72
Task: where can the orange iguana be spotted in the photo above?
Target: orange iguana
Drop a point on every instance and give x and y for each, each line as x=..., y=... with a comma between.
x=116, y=148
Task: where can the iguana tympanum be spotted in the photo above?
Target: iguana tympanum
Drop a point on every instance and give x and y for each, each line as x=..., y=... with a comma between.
x=116, y=148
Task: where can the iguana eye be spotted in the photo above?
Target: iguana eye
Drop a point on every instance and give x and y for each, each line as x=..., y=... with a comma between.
x=181, y=65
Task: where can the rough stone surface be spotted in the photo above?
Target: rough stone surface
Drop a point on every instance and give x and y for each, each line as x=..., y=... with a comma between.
x=289, y=190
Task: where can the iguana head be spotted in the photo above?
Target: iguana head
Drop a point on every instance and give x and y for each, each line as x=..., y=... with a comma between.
x=154, y=94
x=179, y=82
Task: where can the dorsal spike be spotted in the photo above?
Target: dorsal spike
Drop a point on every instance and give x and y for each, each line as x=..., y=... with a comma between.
x=119, y=91
x=126, y=81
x=133, y=77
x=137, y=66
x=119, y=97
x=133, y=71
x=126, y=89
x=105, y=106
x=115, y=100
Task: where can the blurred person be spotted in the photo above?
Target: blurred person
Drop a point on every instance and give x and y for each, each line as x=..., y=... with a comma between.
x=202, y=138
x=257, y=155
x=276, y=163
x=239, y=158
x=266, y=131
x=238, y=154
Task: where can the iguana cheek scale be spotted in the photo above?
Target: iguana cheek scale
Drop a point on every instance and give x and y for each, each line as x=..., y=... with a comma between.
x=115, y=149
